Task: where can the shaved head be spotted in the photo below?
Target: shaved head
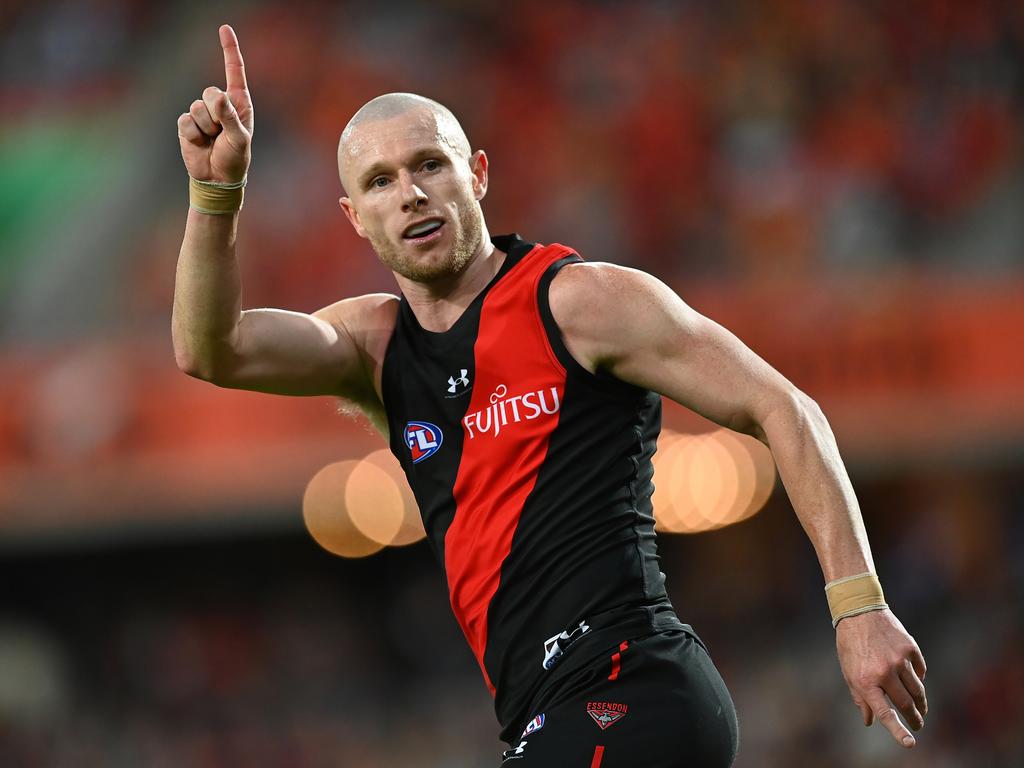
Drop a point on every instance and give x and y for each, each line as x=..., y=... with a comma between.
x=443, y=123
x=413, y=187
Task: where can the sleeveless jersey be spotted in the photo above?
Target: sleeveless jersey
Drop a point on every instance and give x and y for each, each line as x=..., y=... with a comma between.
x=533, y=478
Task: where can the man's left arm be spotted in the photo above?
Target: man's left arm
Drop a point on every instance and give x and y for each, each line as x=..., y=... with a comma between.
x=631, y=325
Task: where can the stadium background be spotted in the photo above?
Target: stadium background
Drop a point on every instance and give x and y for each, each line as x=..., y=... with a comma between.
x=841, y=183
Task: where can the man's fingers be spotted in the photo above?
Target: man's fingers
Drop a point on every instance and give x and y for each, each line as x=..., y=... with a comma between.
x=201, y=115
x=189, y=131
x=234, y=67
x=917, y=659
x=914, y=686
x=902, y=700
x=886, y=715
x=865, y=710
x=224, y=115
x=227, y=116
x=211, y=98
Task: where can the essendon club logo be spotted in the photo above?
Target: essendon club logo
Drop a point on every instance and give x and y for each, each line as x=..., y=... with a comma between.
x=423, y=438
x=606, y=713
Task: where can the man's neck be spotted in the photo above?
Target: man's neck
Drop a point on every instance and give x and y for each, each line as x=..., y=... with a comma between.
x=438, y=305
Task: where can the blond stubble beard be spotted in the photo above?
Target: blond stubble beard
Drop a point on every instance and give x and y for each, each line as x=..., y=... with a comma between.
x=466, y=242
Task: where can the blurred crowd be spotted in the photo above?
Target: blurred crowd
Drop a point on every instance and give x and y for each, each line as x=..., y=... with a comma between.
x=264, y=652
x=739, y=140
x=728, y=142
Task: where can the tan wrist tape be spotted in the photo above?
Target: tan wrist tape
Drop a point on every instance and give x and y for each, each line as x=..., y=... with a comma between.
x=852, y=595
x=215, y=197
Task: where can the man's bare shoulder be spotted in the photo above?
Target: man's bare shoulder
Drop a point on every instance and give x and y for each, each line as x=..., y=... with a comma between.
x=361, y=311
x=368, y=319
x=603, y=309
x=583, y=293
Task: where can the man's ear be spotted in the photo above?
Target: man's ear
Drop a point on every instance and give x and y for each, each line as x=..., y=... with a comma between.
x=352, y=215
x=478, y=167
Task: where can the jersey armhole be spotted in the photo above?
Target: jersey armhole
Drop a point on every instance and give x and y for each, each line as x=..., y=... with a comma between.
x=601, y=381
x=388, y=396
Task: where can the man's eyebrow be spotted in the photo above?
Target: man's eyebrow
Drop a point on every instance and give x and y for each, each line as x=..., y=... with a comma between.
x=371, y=172
x=382, y=167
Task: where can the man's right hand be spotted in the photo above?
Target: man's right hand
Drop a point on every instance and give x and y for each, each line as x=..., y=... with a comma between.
x=266, y=350
x=216, y=133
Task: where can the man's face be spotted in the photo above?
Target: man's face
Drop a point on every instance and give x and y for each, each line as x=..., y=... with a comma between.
x=414, y=195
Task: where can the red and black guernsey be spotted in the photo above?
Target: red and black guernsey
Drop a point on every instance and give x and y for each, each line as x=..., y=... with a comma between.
x=533, y=477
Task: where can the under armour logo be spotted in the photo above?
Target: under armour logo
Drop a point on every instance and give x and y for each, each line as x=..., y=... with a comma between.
x=511, y=754
x=454, y=381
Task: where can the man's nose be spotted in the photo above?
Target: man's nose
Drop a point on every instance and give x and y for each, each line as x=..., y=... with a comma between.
x=412, y=196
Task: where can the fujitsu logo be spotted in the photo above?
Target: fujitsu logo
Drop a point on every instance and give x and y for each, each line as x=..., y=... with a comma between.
x=505, y=410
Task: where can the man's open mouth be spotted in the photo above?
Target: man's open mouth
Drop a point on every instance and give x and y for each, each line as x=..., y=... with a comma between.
x=423, y=230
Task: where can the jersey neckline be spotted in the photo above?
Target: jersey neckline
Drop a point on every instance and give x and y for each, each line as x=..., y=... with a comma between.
x=514, y=248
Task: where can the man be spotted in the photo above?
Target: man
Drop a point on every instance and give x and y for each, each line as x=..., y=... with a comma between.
x=520, y=388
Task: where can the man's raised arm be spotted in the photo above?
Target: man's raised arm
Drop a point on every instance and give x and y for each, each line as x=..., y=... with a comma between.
x=265, y=349
x=642, y=332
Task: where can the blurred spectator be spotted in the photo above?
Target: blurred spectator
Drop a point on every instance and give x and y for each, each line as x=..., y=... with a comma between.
x=734, y=142
x=738, y=139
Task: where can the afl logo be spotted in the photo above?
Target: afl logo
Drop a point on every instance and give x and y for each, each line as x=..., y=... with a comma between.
x=423, y=438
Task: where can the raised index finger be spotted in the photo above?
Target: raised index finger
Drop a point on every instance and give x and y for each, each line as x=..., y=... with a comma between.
x=234, y=67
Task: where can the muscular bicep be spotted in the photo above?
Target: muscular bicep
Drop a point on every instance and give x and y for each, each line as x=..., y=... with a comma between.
x=329, y=352
x=289, y=353
x=640, y=331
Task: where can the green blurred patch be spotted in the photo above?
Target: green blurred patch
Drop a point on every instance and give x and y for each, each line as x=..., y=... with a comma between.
x=45, y=168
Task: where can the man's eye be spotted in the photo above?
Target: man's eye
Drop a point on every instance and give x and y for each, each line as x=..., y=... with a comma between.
x=379, y=182
x=431, y=165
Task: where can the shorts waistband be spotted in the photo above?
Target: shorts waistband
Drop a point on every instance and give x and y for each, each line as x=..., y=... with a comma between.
x=605, y=632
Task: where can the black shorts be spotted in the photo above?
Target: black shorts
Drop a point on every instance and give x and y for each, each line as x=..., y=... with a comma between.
x=654, y=702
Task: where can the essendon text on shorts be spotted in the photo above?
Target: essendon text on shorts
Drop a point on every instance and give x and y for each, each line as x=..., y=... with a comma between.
x=606, y=713
x=511, y=410
x=610, y=706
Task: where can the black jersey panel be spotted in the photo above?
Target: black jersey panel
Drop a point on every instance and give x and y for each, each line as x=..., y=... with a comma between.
x=425, y=417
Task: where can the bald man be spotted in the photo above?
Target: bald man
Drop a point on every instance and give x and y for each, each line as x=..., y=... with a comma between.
x=521, y=388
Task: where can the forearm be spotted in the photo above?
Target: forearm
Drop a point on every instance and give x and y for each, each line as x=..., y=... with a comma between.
x=819, y=488
x=207, y=293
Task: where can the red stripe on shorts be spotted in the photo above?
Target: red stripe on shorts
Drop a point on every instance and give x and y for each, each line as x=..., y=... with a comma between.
x=617, y=660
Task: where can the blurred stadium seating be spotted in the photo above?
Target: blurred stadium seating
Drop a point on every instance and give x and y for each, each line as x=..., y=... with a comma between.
x=839, y=182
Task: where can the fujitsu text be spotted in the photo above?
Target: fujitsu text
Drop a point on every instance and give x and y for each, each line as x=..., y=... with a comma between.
x=511, y=410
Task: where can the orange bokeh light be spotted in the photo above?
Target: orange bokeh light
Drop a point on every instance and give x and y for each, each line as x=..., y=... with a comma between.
x=381, y=503
x=326, y=517
x=710, y=480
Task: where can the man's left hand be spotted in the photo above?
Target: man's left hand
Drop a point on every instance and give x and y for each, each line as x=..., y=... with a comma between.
x=883, y=668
